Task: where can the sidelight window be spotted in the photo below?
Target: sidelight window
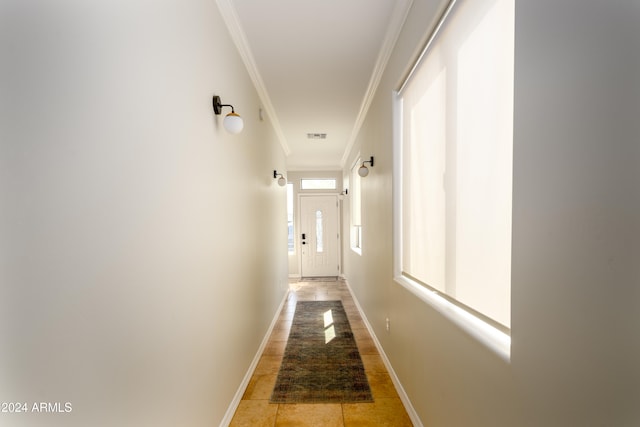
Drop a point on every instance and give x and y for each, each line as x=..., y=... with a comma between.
x=356, y=203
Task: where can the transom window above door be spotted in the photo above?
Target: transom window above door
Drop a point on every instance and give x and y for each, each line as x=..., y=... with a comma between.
x=318, y=184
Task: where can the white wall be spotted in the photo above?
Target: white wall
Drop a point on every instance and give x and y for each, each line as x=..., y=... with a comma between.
x=576, y=235
x=137, y=270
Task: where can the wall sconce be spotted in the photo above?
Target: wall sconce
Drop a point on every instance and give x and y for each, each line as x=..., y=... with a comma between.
x=232, y=122
x=282, y=181
x=364, y=171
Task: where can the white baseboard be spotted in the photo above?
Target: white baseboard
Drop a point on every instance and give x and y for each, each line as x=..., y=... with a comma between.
x=415, y=419
x=233, y=407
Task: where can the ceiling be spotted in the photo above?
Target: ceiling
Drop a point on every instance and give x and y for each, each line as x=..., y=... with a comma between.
x=316, y=65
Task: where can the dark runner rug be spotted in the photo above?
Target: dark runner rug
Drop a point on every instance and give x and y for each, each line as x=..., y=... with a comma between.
x=321, y=361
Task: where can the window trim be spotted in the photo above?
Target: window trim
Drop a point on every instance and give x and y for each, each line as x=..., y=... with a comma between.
x=328, y=180
x=495, y=338
x=491, y=336
x=355, y=231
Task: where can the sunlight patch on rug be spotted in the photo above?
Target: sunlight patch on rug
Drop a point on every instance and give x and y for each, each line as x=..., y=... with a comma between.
x=321, y=363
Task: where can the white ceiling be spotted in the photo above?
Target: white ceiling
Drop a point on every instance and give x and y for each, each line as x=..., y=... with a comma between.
x=315, y=65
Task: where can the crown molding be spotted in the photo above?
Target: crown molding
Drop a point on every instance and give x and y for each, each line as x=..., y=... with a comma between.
x=396, y=23
x=230, y=17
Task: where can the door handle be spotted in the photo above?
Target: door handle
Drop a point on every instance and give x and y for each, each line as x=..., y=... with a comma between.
x=303, y=238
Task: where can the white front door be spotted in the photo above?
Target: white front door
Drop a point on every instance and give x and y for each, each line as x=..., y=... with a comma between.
x=319, y=236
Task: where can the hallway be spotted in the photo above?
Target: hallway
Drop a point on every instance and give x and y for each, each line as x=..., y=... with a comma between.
x=255, y=409
x=144, y=248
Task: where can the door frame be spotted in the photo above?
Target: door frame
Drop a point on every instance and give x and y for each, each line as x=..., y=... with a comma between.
x=298, y=221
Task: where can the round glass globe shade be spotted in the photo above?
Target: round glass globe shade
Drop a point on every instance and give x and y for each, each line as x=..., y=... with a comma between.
x=363, y=171
x=233, y=123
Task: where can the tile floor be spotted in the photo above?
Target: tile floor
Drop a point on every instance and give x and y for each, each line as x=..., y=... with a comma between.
x=256, y=411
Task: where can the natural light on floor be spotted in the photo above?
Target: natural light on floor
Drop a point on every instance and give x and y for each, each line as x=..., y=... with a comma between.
x=329, y=331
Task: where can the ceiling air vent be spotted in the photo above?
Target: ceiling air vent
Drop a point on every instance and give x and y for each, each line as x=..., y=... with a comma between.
x=317, y=136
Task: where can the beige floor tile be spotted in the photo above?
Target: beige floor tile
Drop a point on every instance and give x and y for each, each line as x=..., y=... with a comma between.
x=373, y=363
x=312, y=415
x=356, y=322
x=335, y=295
x=366, y=346
x=381, y=385
x=279, y=334
x=275, y=348
x=286, y=316
x=352, y=312
x=255, y=413
x=268, y=365
x=260, y=387
x=360, y=330
x=291, y=301
x=289, y=308
x=288, y=312
x=283, y=323
x=381, y=413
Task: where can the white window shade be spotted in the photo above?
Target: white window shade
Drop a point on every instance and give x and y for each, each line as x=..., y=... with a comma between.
x=456, y=162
